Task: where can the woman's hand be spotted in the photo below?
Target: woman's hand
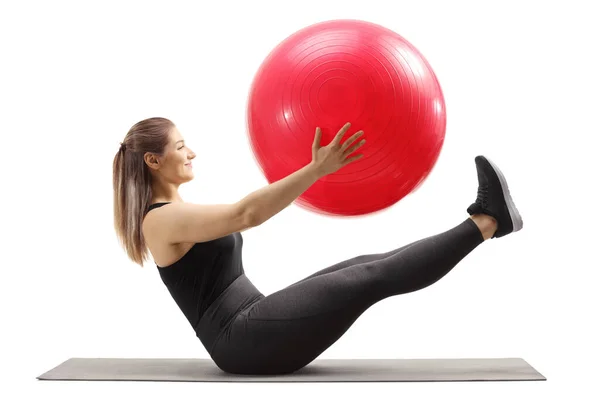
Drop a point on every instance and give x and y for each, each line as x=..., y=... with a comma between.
x=328, y=159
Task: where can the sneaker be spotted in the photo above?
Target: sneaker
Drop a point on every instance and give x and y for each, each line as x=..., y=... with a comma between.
x=493, y=198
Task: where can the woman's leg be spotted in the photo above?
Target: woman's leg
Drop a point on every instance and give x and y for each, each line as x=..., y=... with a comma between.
x=286, y=330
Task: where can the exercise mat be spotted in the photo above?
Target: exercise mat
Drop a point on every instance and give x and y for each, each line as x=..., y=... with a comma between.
x=320, y=370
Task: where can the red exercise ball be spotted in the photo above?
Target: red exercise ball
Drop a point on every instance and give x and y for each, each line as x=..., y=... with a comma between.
x=343, y=71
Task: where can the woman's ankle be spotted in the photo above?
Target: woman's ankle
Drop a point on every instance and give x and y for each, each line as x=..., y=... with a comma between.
x=486, y=224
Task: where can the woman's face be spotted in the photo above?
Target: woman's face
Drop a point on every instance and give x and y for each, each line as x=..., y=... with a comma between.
x=176, y=163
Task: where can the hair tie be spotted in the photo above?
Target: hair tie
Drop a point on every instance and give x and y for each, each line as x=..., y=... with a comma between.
x=123, y=147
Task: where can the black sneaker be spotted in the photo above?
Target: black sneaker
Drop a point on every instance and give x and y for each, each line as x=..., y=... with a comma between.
x=493, y=198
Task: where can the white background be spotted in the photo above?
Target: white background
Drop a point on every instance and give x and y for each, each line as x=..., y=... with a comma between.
x=520, y=80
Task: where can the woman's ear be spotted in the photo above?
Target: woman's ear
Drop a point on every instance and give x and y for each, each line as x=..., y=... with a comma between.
x=152, y=160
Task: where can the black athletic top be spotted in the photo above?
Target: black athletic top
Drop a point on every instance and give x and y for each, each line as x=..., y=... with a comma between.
x=197, y=279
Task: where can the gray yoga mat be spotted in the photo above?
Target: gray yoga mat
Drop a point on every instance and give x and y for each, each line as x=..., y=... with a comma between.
x=320, y=370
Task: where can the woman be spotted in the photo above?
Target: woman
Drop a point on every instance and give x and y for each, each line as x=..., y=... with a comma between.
x=197, y=250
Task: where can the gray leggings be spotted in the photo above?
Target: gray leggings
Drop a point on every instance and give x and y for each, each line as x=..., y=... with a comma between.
x=246, y=332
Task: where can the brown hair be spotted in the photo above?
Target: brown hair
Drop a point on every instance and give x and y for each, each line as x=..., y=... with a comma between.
x=132, y=182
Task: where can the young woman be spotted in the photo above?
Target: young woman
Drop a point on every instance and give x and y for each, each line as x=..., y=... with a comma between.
x=197, y=250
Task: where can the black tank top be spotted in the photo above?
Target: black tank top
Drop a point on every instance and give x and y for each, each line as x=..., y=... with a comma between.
x=197, y=279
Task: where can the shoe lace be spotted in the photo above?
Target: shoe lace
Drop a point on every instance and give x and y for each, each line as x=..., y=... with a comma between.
x=482, y=195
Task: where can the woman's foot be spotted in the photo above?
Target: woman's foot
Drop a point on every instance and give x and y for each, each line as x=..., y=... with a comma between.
x=494, y=200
